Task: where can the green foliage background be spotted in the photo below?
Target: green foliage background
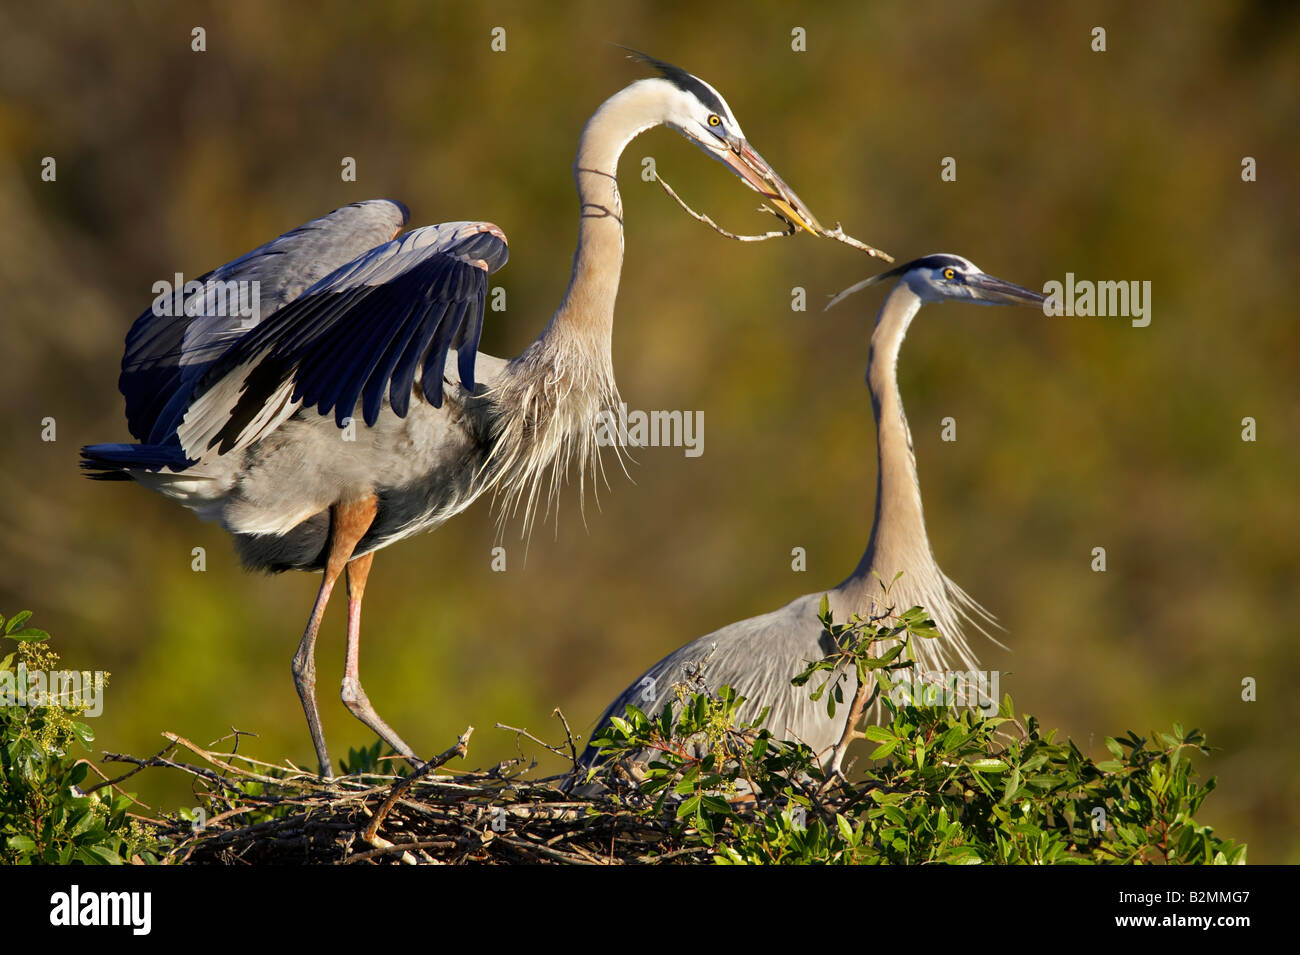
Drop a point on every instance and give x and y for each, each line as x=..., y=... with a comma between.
x=1072, y=433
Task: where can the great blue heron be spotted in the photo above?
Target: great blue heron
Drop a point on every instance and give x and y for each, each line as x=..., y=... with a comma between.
x=758, y=657
x=234, y=415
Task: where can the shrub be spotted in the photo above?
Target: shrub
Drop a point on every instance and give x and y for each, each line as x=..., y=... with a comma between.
x=944, y=784
x=45, y=815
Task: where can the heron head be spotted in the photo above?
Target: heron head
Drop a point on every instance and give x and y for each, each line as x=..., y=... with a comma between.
x=940, y=277
x=698, y=111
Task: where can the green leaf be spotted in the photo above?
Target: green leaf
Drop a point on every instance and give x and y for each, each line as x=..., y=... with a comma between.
x=888, y=657
x=687, y=785
x=105, y=855
x=21, y=844
x=28, y=635
x=1013, y=784
x=17, y=620
x=884, y=749
x=83, y=733
x=989, y=766
x=716, y=804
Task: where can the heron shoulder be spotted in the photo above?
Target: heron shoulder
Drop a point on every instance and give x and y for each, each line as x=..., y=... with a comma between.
x=752, y=656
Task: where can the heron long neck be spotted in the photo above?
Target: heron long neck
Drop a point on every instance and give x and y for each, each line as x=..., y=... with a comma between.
x=898, y=538
x=547, y=411
x=585, y=317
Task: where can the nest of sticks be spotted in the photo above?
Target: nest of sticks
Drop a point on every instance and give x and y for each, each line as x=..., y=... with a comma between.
x=255, y=813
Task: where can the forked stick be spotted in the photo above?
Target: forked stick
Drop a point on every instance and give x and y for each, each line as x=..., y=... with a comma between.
x=838, y=233
x=790, y=227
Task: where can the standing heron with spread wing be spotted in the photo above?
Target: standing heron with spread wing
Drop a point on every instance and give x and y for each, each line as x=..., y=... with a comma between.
x=249, y=422
x=758, y=657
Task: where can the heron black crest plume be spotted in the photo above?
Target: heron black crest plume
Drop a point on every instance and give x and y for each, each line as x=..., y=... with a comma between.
x=679, y=78
x=936, y=261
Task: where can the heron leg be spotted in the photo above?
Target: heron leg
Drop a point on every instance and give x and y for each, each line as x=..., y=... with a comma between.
x=304, y=673
x=354, y=696
x=348, y=524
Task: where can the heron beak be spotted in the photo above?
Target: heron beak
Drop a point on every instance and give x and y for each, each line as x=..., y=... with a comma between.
x=1001, y=292
x=762, y=178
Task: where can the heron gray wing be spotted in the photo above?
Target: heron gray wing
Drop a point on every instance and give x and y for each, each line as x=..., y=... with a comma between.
x=358, y=334
x=757, y=658
x=173, y=343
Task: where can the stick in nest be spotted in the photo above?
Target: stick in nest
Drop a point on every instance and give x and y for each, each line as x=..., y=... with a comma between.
x=460, y=749
x=838, y=233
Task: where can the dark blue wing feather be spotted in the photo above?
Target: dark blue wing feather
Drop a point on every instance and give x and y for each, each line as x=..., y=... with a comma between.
x=373, y=393
x=358, y=333
x=167, y=353
x=399, y=392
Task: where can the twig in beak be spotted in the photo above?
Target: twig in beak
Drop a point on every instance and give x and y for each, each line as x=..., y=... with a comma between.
x=790, y=228
x=838, y=233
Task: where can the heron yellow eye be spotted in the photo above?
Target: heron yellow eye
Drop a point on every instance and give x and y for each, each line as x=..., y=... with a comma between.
x=949, y=273
x=715, y=120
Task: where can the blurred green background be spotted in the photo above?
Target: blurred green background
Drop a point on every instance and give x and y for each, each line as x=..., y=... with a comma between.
x=1073, y=433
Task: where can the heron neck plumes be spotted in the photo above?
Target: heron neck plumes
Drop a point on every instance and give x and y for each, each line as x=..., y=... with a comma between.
x=548, y=406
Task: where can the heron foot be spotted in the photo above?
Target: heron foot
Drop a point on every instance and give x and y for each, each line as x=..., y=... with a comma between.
x=358, y=704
